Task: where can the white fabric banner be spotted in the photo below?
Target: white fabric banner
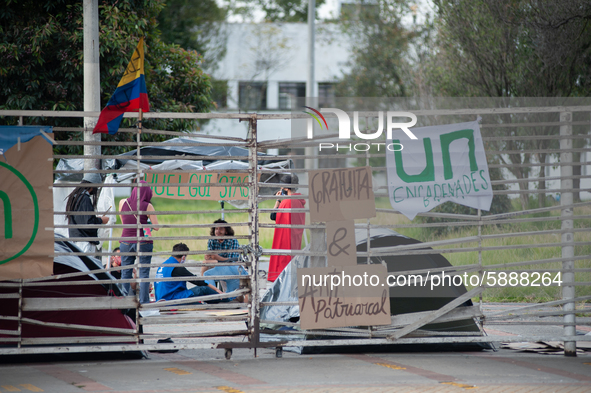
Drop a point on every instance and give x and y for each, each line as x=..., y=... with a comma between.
x=446, y=163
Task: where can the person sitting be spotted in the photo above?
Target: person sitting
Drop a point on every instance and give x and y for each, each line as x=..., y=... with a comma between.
x=115, y=261
x=223, y=244
x=172, y=290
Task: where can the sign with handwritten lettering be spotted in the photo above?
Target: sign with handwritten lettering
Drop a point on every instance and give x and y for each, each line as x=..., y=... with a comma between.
x=447, y=163
x=341, y=194
x=26, y=202
x=341, y=249
x=335, y=297
x=199, y=185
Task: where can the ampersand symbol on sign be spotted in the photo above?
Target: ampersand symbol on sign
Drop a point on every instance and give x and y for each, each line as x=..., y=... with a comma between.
x=335, y=241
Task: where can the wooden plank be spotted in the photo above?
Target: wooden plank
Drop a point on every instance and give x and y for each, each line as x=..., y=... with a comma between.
x=433, y=315
x=78, y=303
x=175, y=319
x=222, y=333
x=77, y=340
x=10, y=332
x=72, y=326
x=186, y=301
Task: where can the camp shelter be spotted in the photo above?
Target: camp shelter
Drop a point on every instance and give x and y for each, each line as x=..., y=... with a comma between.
x=403, y=300
x=176, y=153
x=44, y=322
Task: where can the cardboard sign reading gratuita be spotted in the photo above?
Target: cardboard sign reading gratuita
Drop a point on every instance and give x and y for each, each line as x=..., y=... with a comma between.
x=341, y=194
x=349, y=296
x=199, y=185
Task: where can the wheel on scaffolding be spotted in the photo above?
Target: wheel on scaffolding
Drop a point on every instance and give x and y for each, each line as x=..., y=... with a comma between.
x=279, y=352
x=228, y=353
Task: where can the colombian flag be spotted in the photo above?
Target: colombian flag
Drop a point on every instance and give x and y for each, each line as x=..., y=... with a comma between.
x=130, y=96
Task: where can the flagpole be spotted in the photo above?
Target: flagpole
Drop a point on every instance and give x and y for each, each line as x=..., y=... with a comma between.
x=137, y=259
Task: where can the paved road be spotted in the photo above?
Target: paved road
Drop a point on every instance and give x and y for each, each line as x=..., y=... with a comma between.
x=209, y=371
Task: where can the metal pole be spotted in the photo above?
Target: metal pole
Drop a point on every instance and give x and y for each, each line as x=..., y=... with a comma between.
x=136, y=269
x=310, y=82
x=568, y=250
x=254, y=232
x=92, y=81
x=20, y=312
x=311, y=40
x=368, y=220
x=480, y=272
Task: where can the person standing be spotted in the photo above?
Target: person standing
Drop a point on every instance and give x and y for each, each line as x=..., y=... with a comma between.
x=84, y=199
x=145, y=244
x=286, y=238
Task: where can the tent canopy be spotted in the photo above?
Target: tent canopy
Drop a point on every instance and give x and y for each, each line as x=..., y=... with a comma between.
x=174, y=149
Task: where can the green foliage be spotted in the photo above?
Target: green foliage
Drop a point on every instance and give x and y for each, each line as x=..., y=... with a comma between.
x=287, y=10
x=41, y=63
x=512, y=48
x=380, y=65
x=195, y=25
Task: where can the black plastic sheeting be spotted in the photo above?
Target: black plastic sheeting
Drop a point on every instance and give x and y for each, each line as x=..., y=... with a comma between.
x=403, y=300
x=174, y=148
x=83, y=263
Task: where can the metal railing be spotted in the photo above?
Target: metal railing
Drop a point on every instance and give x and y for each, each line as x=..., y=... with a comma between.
x=566, y=237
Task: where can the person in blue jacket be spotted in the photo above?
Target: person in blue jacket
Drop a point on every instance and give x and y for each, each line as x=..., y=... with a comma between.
x=172, y=290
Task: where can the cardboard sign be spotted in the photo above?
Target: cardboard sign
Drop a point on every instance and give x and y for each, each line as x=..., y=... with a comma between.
x=26, y=202
x=341, y=194
x=343, y=296
x=341, y=249
x=198, y=185
x=446, y=163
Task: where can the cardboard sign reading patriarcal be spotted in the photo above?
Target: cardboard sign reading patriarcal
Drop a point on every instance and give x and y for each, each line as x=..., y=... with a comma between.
x=341, y=194
x=343, y=296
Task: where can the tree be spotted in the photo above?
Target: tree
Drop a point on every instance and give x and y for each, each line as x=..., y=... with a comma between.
x=513, y=48
x=286, y=10
x=41, y=63
x=381, y=61
x=268, y=50
x=195, y=25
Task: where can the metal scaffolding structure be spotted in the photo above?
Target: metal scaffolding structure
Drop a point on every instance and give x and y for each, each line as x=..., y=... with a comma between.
x=562, y=228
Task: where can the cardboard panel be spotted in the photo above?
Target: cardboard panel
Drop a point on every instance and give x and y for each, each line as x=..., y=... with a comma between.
x=26, y=206
x=341, y=248
x=341, y=194
x=353, y=302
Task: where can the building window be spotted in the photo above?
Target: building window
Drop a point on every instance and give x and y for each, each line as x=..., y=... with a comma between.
x=288, y=91
x=325, y=95
x=252, y=95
